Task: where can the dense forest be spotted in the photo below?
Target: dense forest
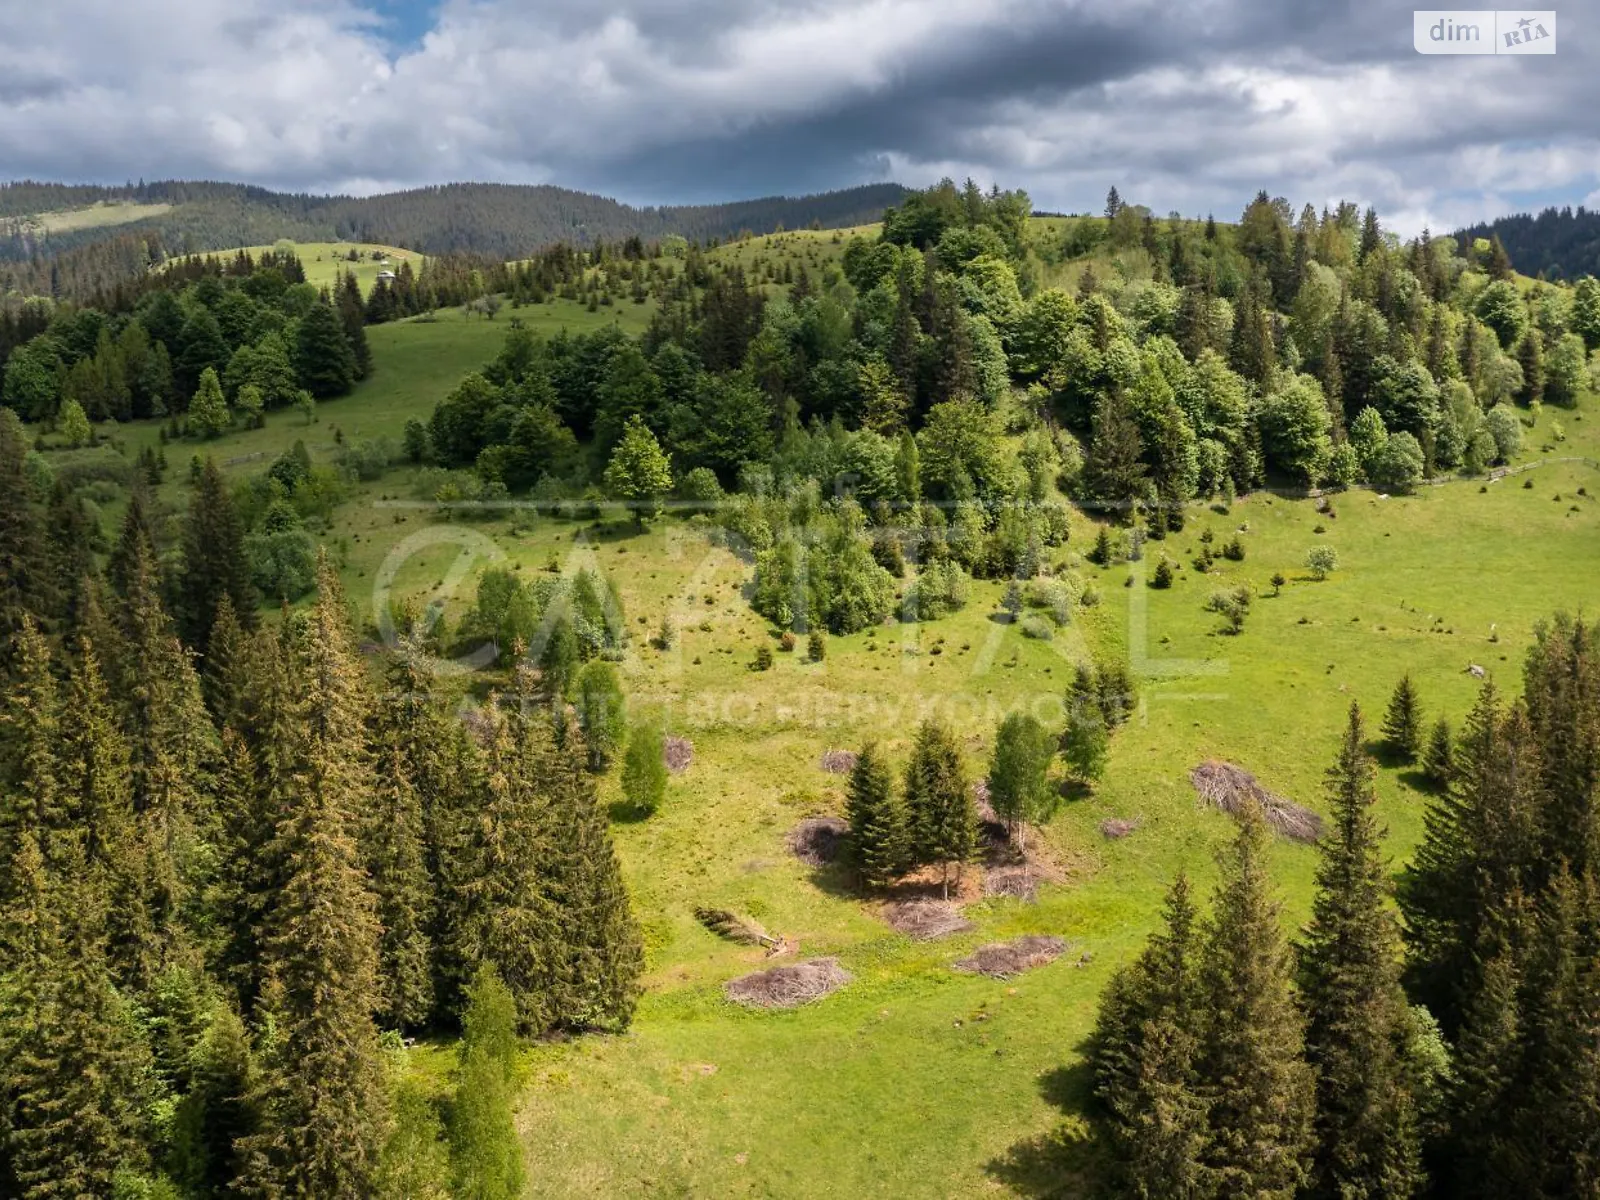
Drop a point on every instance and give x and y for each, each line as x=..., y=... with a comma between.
x=248, y=849
x=1556, y=244
x=503, y=221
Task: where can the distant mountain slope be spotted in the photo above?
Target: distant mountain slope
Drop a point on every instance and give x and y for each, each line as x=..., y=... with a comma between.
x=502, y=220
x=1563, y=243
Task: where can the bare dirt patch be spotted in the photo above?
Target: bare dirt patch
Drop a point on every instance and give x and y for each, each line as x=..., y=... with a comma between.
x=787, y=987
x=817, y=841
x=1002, y=960
x=1233, y=789
x=925, y=920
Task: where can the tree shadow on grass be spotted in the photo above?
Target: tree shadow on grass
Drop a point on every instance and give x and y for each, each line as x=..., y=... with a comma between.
x=625, y=812
x=1063, y=1161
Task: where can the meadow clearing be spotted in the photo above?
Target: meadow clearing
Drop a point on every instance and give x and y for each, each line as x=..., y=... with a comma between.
x=915, y=1080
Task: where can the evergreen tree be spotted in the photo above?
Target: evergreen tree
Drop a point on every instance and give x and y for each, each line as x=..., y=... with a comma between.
x=323, y=360
x=136, y=534
x=1530, y=355
x=324, y=1099
x=1438, y=762
x=485, y=1152
x=596, y=982
x=941, y=815
x=1150, y=1111
x=499, y=910
x=396, y=854
x=1487, y=1061
x=214, y=561
x=878, y=833
x=352, y=315
x=217, y=1114
x=1366, y=1121
x=31, y=801
x=1019, y=788
x=1113, y=473
x=1402, y=722
x=25, y=585
x=75, y=1073
x=1259, y=1090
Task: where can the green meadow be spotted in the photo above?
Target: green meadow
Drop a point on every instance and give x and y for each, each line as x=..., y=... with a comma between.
x=915, y=1080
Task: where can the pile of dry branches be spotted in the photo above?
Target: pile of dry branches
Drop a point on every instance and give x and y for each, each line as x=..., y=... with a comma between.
x=816, y=840
x=925, y=920
x=1001, y=960
x=1233, y=790
x=679, y=754
x=838, y=762
x=785, y=987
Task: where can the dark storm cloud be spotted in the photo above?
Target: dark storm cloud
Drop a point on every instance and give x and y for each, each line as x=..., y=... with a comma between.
x=660, y=100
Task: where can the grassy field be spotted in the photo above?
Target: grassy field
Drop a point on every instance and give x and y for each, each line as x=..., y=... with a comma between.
x=915, y=1080
x=96, y=216
x=325, y=262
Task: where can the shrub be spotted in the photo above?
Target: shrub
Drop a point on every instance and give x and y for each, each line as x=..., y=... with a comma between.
x=1038, y=628
x=367, y=459
x=1163, y=574
x=701, y=486
x=786, y=642
x=817, y=646
x=1234, y=550
x=1321, y=561
x=1502, y=425
x=1398, y=465
x=1233, y=604
x=939, y=590
x=763, y=659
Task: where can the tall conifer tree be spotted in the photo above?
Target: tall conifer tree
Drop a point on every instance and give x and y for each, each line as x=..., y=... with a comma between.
x=1366, y=1122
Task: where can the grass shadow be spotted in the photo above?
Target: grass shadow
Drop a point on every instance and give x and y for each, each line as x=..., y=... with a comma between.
x=1063, y=1161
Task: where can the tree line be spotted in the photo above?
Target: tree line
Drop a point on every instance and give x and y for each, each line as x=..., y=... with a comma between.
x=238, y=866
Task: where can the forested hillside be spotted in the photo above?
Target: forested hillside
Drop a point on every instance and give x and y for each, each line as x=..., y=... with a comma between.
x=503, y=220
x=1558, y=244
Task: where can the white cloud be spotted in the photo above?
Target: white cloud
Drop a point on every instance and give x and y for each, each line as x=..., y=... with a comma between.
x=1063, y=97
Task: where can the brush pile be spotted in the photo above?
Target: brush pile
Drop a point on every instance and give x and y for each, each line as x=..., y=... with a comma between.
x=1002, y=960
x=1233, y=790
x=786, y=987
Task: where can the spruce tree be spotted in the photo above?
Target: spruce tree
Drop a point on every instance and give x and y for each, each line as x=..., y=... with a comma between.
x=136, y=535
x=324, y=1099
x=31, y=801
x=1438, y=761
x=878, y=833
x=216, y=1114
x=208, y=411
x=396, y=854
x=498, y=909
x=352, y=315
x=1151, y=1113
x=1367, y=1142
x=323, y=360
x=76, y=1075
x=941, y=815
x=485, y=1153
x=1487, y=1062
x=214, y=563
x=602, y=955
x=1112, y=472
x=1260, y=1092
x=25, y=585
x=1402, y=722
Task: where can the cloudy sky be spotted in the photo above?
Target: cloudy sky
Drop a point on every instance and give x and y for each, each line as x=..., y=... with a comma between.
x=1190, y=107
